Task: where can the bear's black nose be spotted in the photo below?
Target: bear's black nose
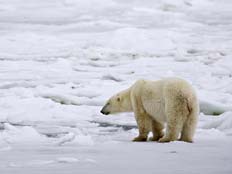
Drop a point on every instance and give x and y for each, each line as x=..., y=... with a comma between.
x=102, y=111
x=105, y=113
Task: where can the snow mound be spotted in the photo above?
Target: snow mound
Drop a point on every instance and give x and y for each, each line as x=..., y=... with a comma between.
x=222, y=123
x=213, y=108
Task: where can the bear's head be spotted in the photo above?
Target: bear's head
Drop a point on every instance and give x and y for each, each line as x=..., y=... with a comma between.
x=118, y=103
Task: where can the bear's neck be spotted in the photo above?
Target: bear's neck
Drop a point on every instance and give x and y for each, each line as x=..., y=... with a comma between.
x=127, y=97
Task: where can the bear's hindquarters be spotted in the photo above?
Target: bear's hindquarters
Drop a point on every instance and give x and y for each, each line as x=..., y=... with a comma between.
x=181, y=110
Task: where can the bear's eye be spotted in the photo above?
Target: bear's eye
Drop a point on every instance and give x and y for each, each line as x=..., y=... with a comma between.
x=118, y=99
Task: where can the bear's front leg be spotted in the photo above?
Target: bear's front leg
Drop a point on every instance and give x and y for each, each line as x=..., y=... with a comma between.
x=143, y=122
x=140, y=139
x=140, y=116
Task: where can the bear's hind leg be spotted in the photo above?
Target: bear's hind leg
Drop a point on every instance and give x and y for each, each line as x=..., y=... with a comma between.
x=176, y=111
x=189, y=128
x=173, y=129
x=157, y=130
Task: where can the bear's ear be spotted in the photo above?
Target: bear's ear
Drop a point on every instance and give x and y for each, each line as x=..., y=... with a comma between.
x=118, y=99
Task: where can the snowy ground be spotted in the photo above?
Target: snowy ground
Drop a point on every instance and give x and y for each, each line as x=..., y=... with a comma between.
x=60, y=61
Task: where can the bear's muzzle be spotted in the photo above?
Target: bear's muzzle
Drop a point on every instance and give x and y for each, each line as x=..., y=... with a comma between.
x=104, y=112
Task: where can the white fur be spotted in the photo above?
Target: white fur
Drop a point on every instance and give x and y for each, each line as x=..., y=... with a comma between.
x=154, y=103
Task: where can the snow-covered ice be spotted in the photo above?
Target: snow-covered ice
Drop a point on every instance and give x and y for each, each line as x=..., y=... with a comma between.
x=60, y=61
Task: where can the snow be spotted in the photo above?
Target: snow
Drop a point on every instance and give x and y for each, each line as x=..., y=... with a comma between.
x=61, y=60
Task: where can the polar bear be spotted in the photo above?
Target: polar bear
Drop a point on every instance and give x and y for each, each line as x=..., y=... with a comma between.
x=170, y=101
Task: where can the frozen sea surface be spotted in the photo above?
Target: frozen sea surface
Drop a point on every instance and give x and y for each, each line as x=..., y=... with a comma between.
x=61, y=60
